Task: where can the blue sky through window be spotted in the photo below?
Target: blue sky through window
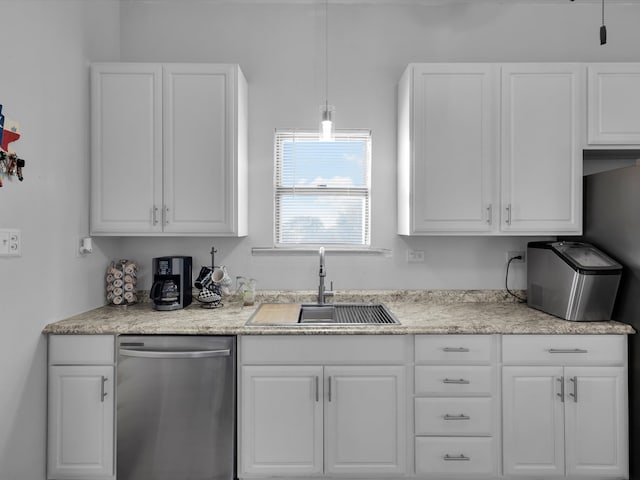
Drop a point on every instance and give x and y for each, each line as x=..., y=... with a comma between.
x=339, y=164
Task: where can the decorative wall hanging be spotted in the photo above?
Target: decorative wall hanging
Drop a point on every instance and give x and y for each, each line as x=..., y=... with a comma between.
x=10, y=164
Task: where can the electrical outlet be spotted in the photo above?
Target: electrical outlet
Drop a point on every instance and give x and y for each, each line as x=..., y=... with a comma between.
x=415, y=256
x=10, y=242
x=516, y=253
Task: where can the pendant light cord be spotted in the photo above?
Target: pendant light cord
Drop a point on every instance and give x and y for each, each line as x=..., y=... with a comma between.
x=326, y=53
x=603, y=28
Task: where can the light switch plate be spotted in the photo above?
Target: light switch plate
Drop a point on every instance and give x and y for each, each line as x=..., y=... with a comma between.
x=10, y=242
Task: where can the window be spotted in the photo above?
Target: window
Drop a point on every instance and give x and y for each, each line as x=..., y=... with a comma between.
x=322, y=188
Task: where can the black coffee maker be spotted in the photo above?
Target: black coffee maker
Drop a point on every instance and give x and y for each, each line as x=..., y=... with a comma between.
x=171, y=289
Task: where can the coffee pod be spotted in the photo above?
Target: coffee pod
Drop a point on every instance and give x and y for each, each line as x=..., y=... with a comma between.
x=128, y=287
x=117, y=300
x=117, y=282
x=117, y=291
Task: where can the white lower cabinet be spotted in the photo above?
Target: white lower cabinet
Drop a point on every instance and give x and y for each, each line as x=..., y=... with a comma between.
x=364, y=419
x=282, y=420
x=81, y=407
x=565, y=419
x=343, y=406
x=321, y=418
x=456, y=405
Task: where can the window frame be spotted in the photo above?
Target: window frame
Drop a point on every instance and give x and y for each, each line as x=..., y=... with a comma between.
x=282, y=136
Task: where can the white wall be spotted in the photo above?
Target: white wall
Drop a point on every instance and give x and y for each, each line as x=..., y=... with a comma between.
x=46, y=47
x=280, y=49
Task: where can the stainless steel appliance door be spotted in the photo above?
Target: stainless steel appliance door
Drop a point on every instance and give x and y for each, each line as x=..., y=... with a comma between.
x=176, y=408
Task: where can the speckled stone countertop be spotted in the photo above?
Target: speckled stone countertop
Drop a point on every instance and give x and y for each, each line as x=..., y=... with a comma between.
x=419, y=312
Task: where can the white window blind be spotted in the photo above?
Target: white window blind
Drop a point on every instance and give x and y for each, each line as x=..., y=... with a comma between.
x=322, y=188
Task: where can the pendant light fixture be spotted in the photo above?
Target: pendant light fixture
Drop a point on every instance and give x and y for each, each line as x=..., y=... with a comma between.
x=326, y=118
x=603, y=28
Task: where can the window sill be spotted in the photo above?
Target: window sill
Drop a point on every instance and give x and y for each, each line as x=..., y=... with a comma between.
x=285, y=251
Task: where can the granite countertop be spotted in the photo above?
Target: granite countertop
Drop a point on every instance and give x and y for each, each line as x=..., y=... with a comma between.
x=419, y=312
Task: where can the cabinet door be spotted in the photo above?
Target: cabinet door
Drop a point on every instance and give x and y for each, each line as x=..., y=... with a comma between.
x=541, y=150
x=81, y=413
x=454, y=137
x=533, y=421
x=365, y=420
x=614, y=104
x=281, y=420
x=199, y=154
x=596, y=421
x=126, y=148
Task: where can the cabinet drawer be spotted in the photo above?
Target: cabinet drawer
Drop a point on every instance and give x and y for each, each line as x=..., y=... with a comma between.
x=323, y=349
x=455, y=349
x=454, y=380
x=81, y=349
x=438, y=455
x=453, y=416
x=564, y=349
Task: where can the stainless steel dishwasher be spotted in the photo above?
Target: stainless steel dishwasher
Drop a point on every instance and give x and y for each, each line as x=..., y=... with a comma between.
x=176, y=407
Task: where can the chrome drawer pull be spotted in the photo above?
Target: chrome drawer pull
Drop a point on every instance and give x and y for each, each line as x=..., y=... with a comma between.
x=456, y=458
x=455, y=349
x=462, y=416
x=460, y=381
x=567, y=350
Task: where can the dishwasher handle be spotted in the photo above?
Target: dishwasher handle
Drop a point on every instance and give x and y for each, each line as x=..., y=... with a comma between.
x=127, y=352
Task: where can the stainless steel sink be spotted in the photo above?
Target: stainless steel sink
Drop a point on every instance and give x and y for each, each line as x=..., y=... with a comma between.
x=346, y=313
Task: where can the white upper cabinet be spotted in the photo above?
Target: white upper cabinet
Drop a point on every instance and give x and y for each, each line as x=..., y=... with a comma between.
x=447, y=138
x=541, y=151
x=455, y=175
x=614, y=105
x=126, y=148
x=169, y=149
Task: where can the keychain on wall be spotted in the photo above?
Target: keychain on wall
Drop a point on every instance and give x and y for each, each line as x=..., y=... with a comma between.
x=10, y=164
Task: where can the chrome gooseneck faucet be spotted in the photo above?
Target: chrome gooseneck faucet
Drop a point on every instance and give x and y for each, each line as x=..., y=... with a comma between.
x=322, y=293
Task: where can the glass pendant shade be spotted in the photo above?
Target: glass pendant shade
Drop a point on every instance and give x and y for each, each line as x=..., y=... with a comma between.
x=326, y=123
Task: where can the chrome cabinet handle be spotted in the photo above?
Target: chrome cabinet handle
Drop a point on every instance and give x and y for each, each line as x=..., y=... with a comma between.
x=456, y=458
x=329, y=390
x=490, y=214
x=561, y=394
x=165, y=215
x=508, y=220
x=574, y=380
x=455, y=349
x=103, y=392
x=155, y=215
x=317, y=388
x=567, y=350
x=462, y=416
x=459, y=381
